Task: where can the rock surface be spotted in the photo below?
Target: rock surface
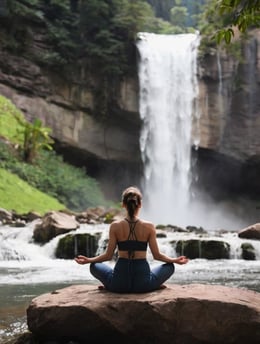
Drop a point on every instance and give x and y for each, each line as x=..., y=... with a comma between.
x=250, y=232
x=52, y=224
x=179, y=314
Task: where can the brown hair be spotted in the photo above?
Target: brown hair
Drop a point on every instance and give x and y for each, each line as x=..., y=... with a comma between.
x=131, y=198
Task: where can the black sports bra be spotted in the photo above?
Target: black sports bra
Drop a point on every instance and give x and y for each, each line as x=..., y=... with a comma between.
x=132, y=244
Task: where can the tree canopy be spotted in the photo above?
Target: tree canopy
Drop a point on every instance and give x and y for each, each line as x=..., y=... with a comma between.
x=242, y=14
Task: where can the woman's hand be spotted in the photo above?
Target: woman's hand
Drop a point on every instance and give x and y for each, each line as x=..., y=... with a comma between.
x=181, y=260
x=82, y=260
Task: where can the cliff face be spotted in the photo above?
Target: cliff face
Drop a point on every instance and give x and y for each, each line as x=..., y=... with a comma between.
x=229, y=101
x=109, y=146
x=230, y=118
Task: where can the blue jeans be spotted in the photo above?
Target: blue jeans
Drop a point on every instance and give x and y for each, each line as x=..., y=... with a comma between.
x=131, y=275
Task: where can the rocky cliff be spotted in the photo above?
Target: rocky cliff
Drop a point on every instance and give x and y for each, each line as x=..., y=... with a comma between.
x=229, y=106
x=109, y=145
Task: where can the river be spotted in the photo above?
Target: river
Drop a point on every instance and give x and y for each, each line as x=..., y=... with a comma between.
x=28, y=270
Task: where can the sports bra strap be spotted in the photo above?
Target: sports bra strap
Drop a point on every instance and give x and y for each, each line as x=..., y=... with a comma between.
x=132, y=224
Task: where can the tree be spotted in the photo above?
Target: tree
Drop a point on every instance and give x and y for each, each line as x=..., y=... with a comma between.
x=179, y=15
x=35, y=138
x=243, y=14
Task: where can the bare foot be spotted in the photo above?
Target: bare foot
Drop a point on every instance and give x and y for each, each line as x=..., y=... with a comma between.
x=101, y=287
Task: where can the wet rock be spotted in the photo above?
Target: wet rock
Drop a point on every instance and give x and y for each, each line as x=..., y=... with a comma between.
x=208, y=249
x=72, y=245
x=248, y=251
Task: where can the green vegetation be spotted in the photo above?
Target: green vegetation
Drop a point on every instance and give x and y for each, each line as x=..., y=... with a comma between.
x=219, y=18
x=9, y=121
x=35, y=138
x=242, y=14
x=96, y=34
x=69, y=185
x=17, y=195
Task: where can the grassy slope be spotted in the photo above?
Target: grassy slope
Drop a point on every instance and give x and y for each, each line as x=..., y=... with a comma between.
x=15, y=194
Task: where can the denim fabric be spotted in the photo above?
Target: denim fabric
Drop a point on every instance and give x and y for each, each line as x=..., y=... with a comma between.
x=131, y=275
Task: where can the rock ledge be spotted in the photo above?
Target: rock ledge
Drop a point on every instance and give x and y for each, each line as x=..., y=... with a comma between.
x=179, y=314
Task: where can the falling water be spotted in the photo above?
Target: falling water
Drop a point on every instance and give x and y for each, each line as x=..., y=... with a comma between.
x=168, y=91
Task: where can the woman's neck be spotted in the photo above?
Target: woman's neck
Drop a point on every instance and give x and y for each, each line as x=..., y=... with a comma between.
x=132, y=219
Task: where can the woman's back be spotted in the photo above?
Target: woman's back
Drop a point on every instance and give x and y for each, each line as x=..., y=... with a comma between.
x=142, y=229
x=132, y=236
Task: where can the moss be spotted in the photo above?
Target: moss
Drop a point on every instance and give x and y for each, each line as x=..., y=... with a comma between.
x=79, y=244
x=248, y=251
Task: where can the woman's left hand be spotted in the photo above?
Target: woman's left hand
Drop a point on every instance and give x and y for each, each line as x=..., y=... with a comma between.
x=82, y=260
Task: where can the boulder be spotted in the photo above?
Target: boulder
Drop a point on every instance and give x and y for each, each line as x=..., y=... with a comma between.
x=179, y=314
x=52, y=224
x=5, y=216
x=248, y=251
x=73, y=245
x=208, y=249
x=251, y=232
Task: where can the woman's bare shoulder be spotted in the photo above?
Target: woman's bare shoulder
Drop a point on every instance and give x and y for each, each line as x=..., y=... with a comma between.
x=147, y=223
x=116, y=223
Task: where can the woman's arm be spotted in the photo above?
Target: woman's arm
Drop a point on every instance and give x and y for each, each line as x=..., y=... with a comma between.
x=107, y=255
x=153, y=244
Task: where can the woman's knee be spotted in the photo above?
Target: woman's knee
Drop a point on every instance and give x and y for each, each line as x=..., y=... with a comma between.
x=171, y=268
x=92, y=268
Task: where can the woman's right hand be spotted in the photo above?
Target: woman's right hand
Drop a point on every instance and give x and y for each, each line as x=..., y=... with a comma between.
x=82, y=260
x=181, y=260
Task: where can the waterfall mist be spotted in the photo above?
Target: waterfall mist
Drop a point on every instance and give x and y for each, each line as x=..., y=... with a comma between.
x=168, y=108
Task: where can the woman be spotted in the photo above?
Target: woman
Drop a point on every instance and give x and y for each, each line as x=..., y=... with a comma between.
x=132, y=273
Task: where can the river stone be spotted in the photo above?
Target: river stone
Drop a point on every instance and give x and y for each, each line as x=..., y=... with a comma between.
x=179, y=314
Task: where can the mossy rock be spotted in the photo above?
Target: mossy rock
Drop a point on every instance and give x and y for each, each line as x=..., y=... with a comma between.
x=214, y=249
x=189, y=248
x=208, y=249
x=248, y=251
x=71, y=246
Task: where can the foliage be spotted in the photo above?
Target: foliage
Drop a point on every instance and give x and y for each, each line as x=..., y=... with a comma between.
x=29, y=137
x=108, y=32
x=9, y=121
x=211, y=22
x=242, y=14
x=162, y=8
x=70, y=185
x=17, y=195
x=35, y=138
x=179, y=16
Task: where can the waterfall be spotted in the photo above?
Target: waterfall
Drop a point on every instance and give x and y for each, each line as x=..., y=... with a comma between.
x=168, y=91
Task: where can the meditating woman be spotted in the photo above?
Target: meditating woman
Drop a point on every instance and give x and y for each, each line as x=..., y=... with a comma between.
x=131, y=235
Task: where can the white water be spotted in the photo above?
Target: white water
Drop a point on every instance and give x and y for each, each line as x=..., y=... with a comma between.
x=169, y=111
x=168, y=90
x=28, y=270
x=24, y=262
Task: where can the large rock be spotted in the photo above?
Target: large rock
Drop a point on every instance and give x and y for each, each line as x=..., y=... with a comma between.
x=52, y=224
x=250, y=232
x=188, y=314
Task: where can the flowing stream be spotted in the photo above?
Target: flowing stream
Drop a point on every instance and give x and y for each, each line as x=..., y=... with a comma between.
x=28, y=269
